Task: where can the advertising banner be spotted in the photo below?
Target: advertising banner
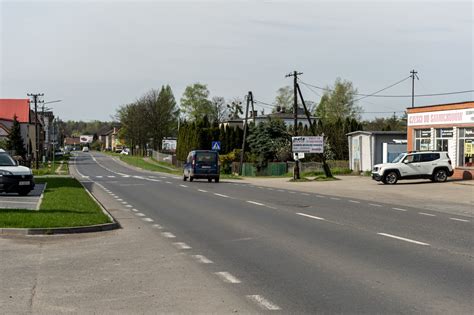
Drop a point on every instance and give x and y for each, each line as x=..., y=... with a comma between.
x=86, y=139
x=461, y=116
x=307, y=144
x=168, y=145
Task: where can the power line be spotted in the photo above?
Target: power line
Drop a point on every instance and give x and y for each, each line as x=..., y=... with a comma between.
x=418, y=95
x=385, y=88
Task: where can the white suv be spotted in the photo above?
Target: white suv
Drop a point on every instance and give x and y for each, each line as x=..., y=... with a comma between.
x=14, y=178
x=434, y=165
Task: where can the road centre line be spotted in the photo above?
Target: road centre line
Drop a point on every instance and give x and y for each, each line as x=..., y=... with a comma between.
x=128, y=206
x=310, y=216
x=124, y=202
x=227, y=277
x=264, y=303
x=403, y=239
x=157, y=226
x=183, y=186
x=139, y=214
x=202, y=190
x=399, y=209
x=255, y=203
x=374, y=204
x=147, y=220
x=462, y=220
x=335, y=198
x=134, y=210
x=427, y=214
x=182, y=245
x=305, y=194
x=319, y=196
x=169, y=182
x=354, y=201
x=221, y=195
x=202, y=259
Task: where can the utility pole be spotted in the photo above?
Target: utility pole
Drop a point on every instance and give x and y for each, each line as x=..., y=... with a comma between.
x=413, y=75
x=295, y=74
x=249, y=99
x=36, y=101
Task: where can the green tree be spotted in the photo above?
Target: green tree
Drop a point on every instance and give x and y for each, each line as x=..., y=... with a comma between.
x=220, y=111
x=338, y=102
x=15, y=140
x=195, y=102
x=235, y=108
x=267, y=139
x=284, y=99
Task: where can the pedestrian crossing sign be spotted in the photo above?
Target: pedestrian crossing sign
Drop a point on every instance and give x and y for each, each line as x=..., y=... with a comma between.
x=216, y=145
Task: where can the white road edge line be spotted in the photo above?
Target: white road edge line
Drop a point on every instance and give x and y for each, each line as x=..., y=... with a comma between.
x=264, y=303
x=255, y=203
x=182, y=245
x=427, y=214
x=354, y=201
x=202, y=259
x=374, y=204
x=404, y=239
x=227, y=277
x=310, y=216
x=462, y=220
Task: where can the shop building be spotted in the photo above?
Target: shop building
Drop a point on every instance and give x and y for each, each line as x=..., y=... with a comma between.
x=445, y=127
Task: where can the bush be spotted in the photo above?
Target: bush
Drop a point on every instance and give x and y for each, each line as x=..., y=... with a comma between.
x=227, y=159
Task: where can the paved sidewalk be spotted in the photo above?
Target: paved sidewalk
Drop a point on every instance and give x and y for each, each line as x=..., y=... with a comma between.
x=450, y=197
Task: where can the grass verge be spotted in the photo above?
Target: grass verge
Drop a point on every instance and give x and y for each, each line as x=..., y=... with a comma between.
x=65, y=204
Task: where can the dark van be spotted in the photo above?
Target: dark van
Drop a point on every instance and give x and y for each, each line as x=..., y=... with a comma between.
x=202, y=164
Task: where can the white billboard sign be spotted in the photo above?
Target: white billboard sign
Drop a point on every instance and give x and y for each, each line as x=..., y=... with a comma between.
x=86, y=139
x=461, y=116
x=168, y=145
x=307, y=144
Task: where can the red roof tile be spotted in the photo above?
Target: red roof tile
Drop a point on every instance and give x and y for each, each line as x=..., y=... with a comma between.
x=12, y=107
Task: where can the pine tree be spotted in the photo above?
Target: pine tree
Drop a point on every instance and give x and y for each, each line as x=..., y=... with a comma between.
x=15, y=140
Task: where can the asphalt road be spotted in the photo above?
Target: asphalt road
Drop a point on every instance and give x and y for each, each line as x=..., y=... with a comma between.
x=297, y=252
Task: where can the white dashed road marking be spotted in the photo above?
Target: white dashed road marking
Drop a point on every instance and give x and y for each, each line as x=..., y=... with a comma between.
x=139, y=214
x=134, y=210
x=181, y=245
x=404, y=239
x=427, y=214
x=221, y=195
x=310, y=216
x=399, y=209
x=374, y=204
x=183, y=186
x=202, y=259
x=111, y=176
x=168, y=235
x=335, y=198
x=354, y=201
x=99, y=176
x=462, y=220
x=128, y=206
x=169, y=182
x=202, y=190
x=157, y=226
x=264, y=303
x=227, y=277
x=147, y=220
x=255, y=203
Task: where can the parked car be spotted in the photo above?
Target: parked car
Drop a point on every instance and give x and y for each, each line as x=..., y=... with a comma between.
x=85, y=149
x=202, y=164
x=14, y=178
x=434, y=165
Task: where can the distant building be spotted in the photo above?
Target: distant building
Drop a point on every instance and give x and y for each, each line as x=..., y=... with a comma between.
x=287, y=118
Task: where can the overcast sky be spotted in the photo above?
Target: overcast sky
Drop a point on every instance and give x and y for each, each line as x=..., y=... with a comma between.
x=98, y=55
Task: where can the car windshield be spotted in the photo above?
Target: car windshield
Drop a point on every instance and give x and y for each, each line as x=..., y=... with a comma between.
x=6, y=160
x=398, y=158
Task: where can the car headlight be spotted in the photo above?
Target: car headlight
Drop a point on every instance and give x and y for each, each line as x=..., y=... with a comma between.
x=3, y=172
x=375, y=169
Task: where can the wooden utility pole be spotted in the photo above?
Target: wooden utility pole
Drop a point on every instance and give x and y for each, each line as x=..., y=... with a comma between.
x=249, y=99
x=36, y=101
x=295, y=74
x=413, y=75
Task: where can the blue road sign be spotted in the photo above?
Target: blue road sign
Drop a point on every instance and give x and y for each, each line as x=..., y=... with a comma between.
x=216, y=145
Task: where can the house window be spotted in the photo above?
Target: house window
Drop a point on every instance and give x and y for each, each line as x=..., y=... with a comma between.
x=422, y=139
x=466, y=147
x=443, y=135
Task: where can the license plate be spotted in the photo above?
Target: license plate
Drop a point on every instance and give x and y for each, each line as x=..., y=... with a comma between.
x=205, y=166
x=24, y=183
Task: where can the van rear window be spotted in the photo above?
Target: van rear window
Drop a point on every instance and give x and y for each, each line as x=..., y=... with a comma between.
x=206, y=157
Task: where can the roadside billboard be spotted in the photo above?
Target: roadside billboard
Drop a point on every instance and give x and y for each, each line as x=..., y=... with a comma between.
x=168, y=145
x=86, y=139
x=307, y=144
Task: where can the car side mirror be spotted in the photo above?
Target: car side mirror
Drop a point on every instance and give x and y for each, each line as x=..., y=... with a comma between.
x=406, y=161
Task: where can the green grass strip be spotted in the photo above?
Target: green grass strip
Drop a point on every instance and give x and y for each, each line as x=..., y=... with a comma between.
x=65, y=204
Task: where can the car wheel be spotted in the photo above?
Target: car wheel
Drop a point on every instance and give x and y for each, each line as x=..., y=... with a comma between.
x=191, y=178
x=24, y=192
x=209, y=179
x=390, y=178
x=440, y=176
x=216, y=179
